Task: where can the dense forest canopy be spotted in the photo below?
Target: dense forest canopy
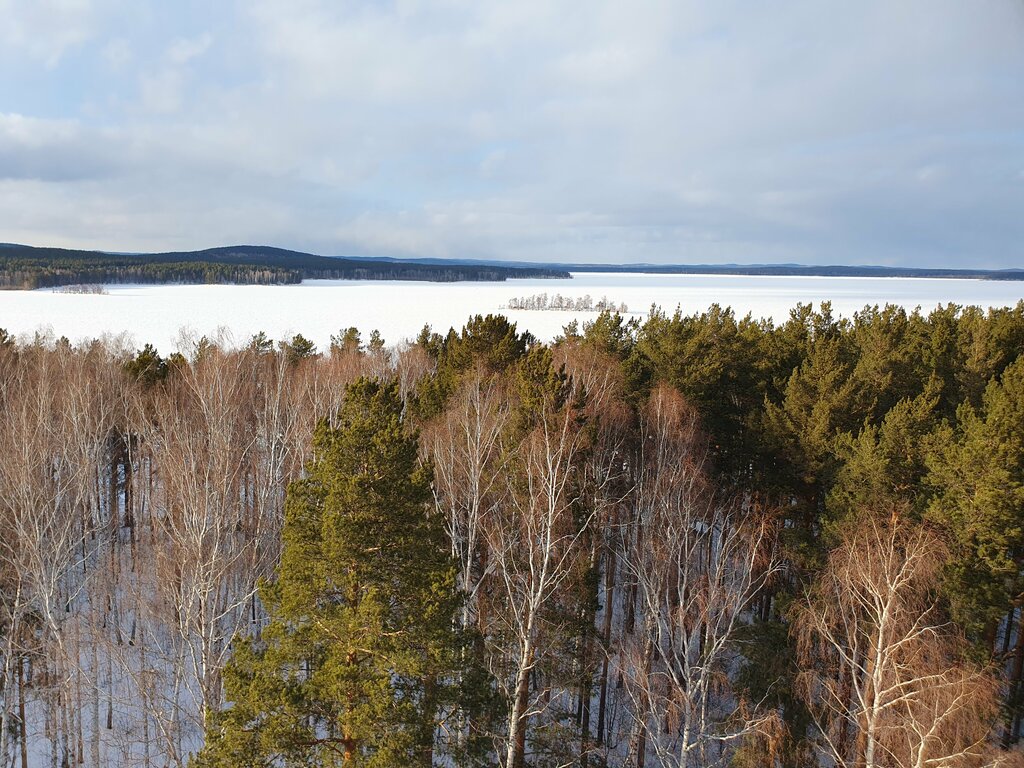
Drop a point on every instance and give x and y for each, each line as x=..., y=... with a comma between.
x=26, y=267
x=697, y=540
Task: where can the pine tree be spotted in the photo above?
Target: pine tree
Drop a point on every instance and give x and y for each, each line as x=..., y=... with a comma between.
x=353, y=667
x=147, y=366
x=490, y=343
x=709, y=359
x=978, y=475
x=346, y=340
x=261, y=344
x=885, y=463
x=299, y=348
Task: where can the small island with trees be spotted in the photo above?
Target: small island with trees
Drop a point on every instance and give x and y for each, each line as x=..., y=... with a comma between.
x=542, y=302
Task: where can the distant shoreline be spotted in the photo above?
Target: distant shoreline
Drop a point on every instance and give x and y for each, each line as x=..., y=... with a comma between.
x=24, y=267
x=27, y=267
x=773, y=270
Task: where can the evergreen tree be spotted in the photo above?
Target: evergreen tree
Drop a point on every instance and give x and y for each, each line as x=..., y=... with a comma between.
x=261, y=344
x=147, y=366
x=884, y=463
x=710, y=359
x=935, y=344
x=978, y=473
x=490, y=342
x=299, y=348
x=886, y=370
x=353, y=667
x=376, y=344
x=346, y=340
x=429, y=341
x=611, y=333
x=988, y=343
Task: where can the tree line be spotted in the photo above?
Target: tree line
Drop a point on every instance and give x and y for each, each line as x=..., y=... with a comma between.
x=26, y=267
x=696, y=540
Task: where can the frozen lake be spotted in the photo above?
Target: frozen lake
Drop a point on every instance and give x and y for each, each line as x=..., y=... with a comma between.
x=398, y=310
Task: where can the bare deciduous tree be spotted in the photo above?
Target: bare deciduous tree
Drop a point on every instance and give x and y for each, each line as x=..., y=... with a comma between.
x=536, y=542
x=54, y=438
x=218, y=536
x=465, y=445
x=697, y=559
x=608, y=485
x=885, y=676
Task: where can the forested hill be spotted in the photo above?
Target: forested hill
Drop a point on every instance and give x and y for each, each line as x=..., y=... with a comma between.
x=27, y=267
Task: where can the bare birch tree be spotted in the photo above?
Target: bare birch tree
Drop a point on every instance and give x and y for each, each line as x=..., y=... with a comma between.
x=466, y=447
x=698, y=558
x=51, y=440
x=536, y=544
x=214, y=546
x=608, y=486
x=885, y=676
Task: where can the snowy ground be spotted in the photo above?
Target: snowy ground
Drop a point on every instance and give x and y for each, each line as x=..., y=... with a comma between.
x=318, y=308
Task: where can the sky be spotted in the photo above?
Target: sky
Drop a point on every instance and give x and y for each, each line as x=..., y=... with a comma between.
x=817, y=132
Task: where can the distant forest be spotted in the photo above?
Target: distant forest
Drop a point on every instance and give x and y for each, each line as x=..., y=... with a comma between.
x=799, y=270
x=25, y=267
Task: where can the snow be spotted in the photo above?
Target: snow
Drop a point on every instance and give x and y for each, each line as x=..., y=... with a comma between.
x=318, y=308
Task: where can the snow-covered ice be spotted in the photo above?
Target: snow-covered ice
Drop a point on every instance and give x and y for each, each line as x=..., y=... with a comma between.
x=318, y=308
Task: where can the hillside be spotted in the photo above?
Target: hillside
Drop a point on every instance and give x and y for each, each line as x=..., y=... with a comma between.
x=28, y=267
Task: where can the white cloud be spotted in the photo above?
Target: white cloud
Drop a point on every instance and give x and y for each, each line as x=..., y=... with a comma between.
x=183, y=50
x=53, y=150
x=47, y=29
x=162, y=89
x=117, y=53
x=33, y=132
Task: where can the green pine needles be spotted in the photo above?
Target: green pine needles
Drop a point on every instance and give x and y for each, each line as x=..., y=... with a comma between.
x=355, y=667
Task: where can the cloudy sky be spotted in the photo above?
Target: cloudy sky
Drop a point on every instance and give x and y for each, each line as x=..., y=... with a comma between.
x=869, y=132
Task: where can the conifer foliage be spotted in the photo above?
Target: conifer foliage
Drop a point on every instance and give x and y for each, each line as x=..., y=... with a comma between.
x=351, y=668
